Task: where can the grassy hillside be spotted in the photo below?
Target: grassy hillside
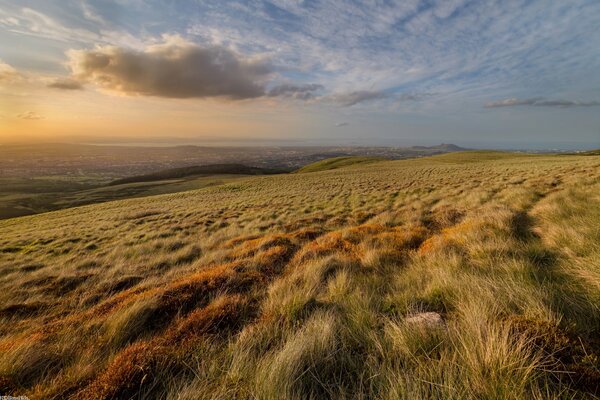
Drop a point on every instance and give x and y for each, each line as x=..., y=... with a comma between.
x=198, y=170
x=476, y=156
x=471, y=278
x=337, y=162
x=32, y=196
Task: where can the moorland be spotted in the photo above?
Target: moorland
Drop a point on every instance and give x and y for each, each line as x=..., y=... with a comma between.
x=469, y=275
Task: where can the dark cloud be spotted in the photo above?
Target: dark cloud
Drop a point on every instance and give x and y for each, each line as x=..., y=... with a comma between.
x=175, y=69
x=66, y=84
x=300, y=92
x=540, y=102
x=352, y=98
x=30, y=115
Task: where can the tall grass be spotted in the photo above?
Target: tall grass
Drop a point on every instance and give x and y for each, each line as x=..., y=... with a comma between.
x=308, y=286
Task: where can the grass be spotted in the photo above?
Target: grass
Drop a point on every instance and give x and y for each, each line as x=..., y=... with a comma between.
x=338, y=162
x=21, y=197
x=308, y=285
x=205, y=170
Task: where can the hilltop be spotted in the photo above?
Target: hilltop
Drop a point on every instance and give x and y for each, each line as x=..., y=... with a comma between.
x=444, y=147
x=462, y=276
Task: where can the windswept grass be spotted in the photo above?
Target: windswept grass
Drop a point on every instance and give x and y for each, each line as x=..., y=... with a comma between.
x=467, y=276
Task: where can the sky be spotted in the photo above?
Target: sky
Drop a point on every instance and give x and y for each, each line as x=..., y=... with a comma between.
x=477, y=73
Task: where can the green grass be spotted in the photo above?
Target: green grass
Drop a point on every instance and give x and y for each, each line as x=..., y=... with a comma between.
x=337, y=162
x=303, y=286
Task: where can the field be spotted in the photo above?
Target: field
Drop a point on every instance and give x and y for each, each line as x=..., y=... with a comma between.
x=470, y=275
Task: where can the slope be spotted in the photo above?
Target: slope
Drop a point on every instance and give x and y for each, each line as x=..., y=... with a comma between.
x=316, y=286
x=337, y=162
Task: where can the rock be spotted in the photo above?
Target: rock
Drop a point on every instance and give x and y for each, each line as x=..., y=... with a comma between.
x=429, y=320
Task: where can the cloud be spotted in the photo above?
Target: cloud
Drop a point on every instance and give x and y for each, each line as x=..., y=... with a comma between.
x=300, y=92
x=7, y=73
x=19, y=81
x=31, y=22
x=174, y=68
x=351, y=98
x=540, y=102
x=65, y=84
x=464, y=50
x=90, y=14
x=30, y=115
x=341, y=124
x=86, y=25
x=415, y=96
x=446, y=8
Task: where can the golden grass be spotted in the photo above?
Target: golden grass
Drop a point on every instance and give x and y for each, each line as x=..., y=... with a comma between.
x=303, y=286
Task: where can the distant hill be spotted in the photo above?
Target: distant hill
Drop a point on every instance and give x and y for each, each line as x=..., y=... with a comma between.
x=338, y=162
x=215, y=169
x=445, y=147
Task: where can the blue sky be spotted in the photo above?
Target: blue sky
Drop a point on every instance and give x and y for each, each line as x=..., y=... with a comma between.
x=511, y=73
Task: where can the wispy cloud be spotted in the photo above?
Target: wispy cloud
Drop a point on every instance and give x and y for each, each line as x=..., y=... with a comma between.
x=301, y=92
x=442, y=46
x=30, y=115
x=540, y=102
x=7, y=73
x=91, y=14
x=65, y=84
x=352, y=98
x=33, y=22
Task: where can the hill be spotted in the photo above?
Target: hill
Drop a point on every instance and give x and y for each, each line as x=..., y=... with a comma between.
x=432, y=278
x=337, y=162
x=214, y=169
x=444, y=147
x=32, y=196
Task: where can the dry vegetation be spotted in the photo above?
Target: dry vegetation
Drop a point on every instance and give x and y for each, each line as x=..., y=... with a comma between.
x=307, y=286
